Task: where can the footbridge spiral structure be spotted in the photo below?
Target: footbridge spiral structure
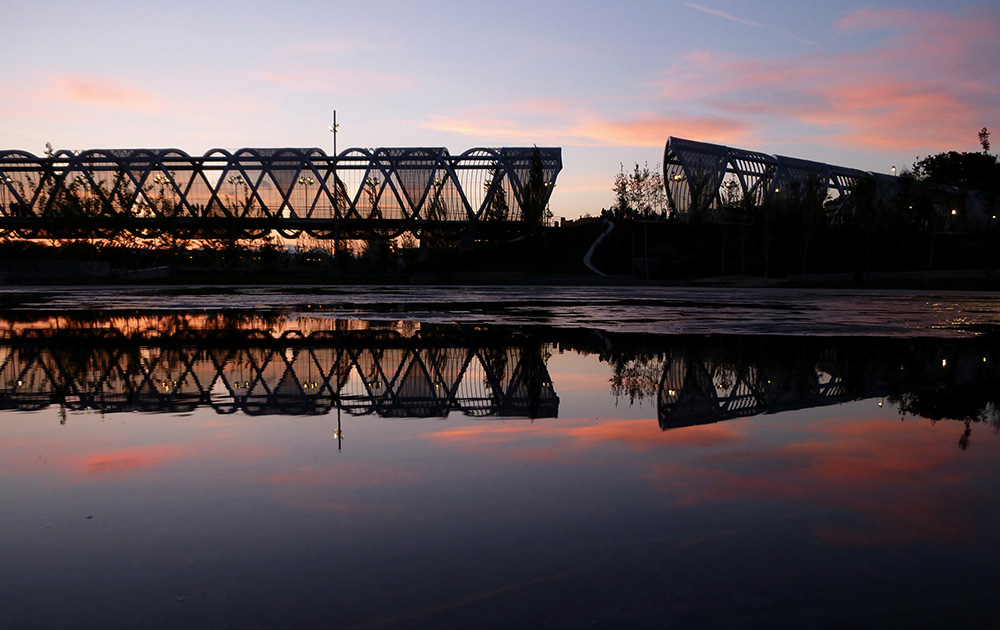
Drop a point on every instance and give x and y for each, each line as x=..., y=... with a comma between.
x=718, y=183
x=253, y=192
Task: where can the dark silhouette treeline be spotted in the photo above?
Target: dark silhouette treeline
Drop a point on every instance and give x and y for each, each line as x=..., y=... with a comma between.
x=772, y=247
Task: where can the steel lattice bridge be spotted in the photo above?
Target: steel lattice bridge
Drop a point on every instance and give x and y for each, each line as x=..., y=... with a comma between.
x=255, y=192
x=707, y=181
x=158, y=365
x=700, y=177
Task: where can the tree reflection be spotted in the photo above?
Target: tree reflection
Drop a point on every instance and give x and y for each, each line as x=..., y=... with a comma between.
x=636, y=378
x=970, y=404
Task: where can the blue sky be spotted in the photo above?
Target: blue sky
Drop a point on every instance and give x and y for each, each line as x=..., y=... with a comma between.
x=862, y=85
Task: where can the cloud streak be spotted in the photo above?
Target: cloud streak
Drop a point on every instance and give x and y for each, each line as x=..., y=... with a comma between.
x=733, y=18
x=721, y=14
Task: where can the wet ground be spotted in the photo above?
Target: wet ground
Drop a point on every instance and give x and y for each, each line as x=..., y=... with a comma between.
x=625, y=309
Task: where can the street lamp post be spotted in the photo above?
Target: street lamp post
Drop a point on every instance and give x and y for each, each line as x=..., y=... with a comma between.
x=162, y=181
x=236, y=181
x=306, y=182
x=3, y=191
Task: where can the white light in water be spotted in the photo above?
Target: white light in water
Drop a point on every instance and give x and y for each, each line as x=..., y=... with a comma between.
x=944, y=362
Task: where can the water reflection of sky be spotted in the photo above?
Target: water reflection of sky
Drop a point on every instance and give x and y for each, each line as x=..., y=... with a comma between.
x=824, y=516
x=594, y=518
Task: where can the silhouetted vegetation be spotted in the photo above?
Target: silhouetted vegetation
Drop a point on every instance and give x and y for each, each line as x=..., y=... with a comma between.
x=535, y=205
x=975, y=171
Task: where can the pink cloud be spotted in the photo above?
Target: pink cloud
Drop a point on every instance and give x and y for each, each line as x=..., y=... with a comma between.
x=86, y=460
x=652, y=131
x=644, y=434
x=104, y=93
x=929, y=84
x=586, y=128
x=126, y=461
x=901, y=481
x=567, y=436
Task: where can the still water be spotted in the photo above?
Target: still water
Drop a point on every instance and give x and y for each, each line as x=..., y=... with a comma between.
x=498, y=458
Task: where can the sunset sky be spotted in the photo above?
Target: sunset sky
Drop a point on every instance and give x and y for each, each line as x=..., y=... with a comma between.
x=856, y=84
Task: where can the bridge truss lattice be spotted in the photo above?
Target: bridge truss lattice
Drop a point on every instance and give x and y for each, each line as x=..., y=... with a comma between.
x=252, y=192
x=701, y=178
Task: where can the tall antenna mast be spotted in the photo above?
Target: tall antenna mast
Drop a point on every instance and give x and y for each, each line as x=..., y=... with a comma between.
x=333, y=129
x=336, y=235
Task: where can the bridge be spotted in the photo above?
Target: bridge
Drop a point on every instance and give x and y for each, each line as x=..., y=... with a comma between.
x=358, y=193
x=166, y=365
x=718, y=183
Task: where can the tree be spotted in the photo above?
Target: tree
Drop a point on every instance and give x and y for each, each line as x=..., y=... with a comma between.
x=497, y=208
x=535, y=203
x=640, y=193
x=978, y=171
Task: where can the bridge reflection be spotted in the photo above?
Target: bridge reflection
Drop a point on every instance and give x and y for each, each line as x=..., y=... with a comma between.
x=308, y=364
x=707, y=381
x=278, y=366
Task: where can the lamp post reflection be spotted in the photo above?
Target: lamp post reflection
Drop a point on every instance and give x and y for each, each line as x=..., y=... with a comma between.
x=339, y=433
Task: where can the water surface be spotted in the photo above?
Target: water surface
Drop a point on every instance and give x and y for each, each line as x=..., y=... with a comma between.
x=560, y=457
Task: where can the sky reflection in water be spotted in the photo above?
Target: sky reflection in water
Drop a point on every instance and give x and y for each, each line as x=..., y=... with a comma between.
x=818, y=515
